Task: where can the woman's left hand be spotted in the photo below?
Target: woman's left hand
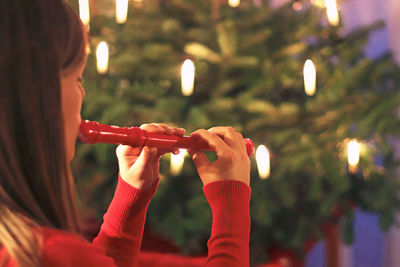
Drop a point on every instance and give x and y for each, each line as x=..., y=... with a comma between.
x=139, y=167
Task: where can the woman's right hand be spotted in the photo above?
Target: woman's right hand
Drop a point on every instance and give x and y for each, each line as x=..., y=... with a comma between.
x=233, y=162
x=139, y=167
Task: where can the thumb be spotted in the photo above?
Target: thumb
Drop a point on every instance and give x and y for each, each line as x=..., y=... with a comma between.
x=147, y=155
x=123, y=163
x=199, y=158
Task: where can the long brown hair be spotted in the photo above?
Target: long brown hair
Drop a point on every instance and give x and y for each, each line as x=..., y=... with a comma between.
x=40, y=39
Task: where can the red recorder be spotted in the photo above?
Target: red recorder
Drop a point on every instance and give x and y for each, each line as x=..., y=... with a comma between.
x=93, y=132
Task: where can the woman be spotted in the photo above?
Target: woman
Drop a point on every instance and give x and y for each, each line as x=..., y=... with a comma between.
x=42, y=58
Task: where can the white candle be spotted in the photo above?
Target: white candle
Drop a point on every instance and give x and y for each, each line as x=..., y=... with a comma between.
x=102, y=57
x=121, y=11
x=84, y=12
x=187, y=77
x=263, y=161
x=353, y=155
x=332, y=12
x=234, y=3
x=310, y=77
x=177, y=161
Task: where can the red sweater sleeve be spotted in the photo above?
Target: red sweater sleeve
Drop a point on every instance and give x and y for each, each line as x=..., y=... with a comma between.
x=119, y=239
x=121, y=232
x=230, y=235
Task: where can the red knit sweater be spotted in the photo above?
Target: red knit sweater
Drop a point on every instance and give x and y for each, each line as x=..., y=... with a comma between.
x=119, y=240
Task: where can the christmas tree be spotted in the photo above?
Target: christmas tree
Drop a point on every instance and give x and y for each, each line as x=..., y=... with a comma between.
x=248, y=74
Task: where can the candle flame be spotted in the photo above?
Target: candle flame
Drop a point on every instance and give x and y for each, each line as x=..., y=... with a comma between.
x=263, y=161
x=234, y=3
x=332, y=12
x=353, y=154
x=121, y=11
x=187, y=77
x=177, y=161
x=102, y=57
x=310, y=77
x=84, y=12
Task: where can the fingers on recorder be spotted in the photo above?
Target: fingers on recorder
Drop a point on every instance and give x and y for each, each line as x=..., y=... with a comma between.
x=163, y=129
x=232, y=163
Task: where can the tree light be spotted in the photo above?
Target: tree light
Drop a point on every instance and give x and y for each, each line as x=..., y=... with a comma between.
x=138, y=4
x=310, y=77
x=318, y=3
x=332, y=12
x=84, y=12
x=121, y=11
x=176, y=163
x=234, y=3
x=102, y=57
x=263, y=161
x=353, y=155
x=187, y=77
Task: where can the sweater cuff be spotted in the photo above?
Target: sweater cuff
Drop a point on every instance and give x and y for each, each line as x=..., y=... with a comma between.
x=226, y=190
x=127, y=203
x=230, y=205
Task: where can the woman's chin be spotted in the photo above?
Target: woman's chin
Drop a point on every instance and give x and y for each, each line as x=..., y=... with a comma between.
x=70, y=154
